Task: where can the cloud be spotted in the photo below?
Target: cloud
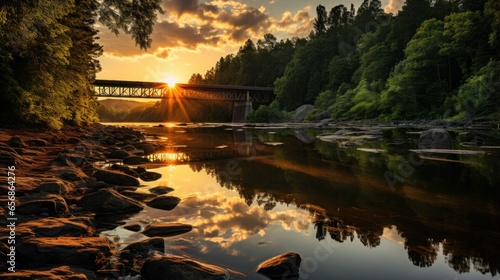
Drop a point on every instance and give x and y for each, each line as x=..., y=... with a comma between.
x=189, y=25
x=394, y=6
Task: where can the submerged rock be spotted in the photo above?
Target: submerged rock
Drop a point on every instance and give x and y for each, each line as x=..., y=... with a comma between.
x=166, y=229
x=164, y=202
x=115, y=178
x=108, y=201
x=284, y=266
x=181, y=268
x=86, y=252
x=149, y=176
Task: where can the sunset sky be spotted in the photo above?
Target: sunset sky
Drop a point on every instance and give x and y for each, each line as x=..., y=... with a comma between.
x=192, y=35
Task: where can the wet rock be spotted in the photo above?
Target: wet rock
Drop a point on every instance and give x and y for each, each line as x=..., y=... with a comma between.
x=70, y=160
x=135, y=160
x=148, y=148
x=284, y=266
x=149, y=176
x=164, y=202
x=55, y=186
x=61, y=272
x=37, y=142
x=86, y=252
x=37, y=204
x=16, y=142
x=436, y=138
x=140, y=169
x=69, y=173
x=115, y=178
x=118, y=154
x=176, y=267
x=133, y=227
x=108, y=274
x=125, y=169
x=138, y=196
x=166, y=229
x=54, y=227
x=142, y=249
x=160, y=190
x=108, y=201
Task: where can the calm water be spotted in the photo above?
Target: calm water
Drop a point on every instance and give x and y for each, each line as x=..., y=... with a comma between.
x=356, y=208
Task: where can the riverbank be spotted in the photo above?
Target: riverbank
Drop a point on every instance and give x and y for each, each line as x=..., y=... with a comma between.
x=60, y=190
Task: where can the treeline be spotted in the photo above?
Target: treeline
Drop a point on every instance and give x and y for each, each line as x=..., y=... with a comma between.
x=48, y=56
x=434, y=59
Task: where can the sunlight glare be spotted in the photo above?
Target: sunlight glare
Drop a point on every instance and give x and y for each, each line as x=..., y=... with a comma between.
x=171, y=81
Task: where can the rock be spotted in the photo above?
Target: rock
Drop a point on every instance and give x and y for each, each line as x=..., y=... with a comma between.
x=301, y=113
x=133, y=227
x=140, y=169
x=55, y=186
x=135, y=160
x=149, y=176
x=87, y=252
x=118, y=154
x=125, y=169
x=166, y=229
x=9, y=158
x=54, y=227
x=61, y=272
x=115, y=178
x=148, y=148
x=143, y=249
x=70, y=160
x=138, y=196
x=284, y=266
x=436, y=138
x=16, y=142
x=36, y=204
x=164, y=202
x=74, y=140
x=160, y=190
x=108, y=201
x=181, y=268
x=37, y=142
x=69, y=173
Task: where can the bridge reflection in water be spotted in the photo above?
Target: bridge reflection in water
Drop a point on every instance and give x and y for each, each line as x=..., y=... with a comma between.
x=243, y=146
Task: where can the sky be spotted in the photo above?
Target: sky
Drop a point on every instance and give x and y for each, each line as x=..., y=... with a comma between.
x=192, y=35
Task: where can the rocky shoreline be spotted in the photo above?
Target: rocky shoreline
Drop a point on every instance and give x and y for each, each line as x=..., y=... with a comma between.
x=57, y=197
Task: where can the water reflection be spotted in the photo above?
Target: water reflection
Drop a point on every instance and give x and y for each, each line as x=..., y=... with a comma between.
x=341, y=194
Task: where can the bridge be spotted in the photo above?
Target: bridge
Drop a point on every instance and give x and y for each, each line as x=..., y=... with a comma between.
x=242, y=97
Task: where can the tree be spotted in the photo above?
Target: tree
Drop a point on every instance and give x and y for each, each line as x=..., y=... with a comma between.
x=321, y=20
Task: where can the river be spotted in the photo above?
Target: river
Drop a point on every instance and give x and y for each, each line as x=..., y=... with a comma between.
x=355, y=203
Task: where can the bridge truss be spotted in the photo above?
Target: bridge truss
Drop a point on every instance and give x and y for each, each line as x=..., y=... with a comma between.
x=129, y=89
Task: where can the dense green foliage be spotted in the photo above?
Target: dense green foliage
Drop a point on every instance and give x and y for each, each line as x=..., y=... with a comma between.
x=434, y=59
x=48, y=56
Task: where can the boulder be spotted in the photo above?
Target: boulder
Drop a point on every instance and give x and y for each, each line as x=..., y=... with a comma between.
x=284, y=266
x=55, y=186
x=115, y=178
x=54, y=227
x=125, y=169
x=16, y=142
x=143, y=249
x=41, y=203
x=118, y=154
x=135, y=160
x=149, y=176
x=87, y=252
x=70, y=160
x=160, y=190
x=166, y=229
x=301, y=113
x=164, y=202
x=181, y=268
x=61, y=272
x=108, y=201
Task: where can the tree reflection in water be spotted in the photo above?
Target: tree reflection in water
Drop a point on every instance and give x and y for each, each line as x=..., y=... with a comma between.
x=349, y=185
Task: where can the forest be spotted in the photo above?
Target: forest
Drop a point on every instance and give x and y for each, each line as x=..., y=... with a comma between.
x=434, y=59
x=49, y=56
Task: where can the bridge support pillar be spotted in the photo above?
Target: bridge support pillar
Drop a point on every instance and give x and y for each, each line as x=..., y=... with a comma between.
x=241, y=109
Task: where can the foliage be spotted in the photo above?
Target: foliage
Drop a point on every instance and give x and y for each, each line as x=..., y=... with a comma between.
x=48, y=56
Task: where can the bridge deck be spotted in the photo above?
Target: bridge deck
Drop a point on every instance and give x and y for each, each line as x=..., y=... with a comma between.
x=136, y=89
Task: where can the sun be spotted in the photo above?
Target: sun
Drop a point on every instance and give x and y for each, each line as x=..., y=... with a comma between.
x=171, y=81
